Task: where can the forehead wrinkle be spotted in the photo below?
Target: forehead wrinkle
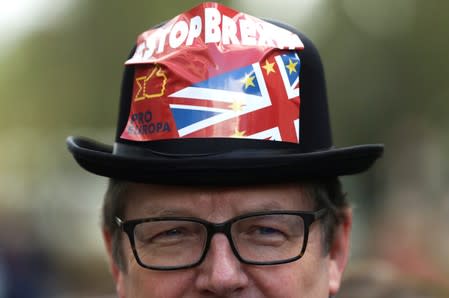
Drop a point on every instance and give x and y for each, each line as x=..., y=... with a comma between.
x=278, y=197
x=159, y=211
x=214, y=203
x=156, y=200
x=269, y=206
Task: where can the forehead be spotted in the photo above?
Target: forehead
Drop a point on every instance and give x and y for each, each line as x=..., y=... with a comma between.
x=157, y=200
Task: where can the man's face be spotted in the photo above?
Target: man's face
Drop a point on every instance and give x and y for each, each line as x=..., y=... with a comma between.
x=317, y=274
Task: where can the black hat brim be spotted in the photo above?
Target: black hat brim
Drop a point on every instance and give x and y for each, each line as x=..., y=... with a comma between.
x=230, y=168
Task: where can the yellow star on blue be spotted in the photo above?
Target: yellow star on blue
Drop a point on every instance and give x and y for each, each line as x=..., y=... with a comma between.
x=248, y=80
x=291, y=66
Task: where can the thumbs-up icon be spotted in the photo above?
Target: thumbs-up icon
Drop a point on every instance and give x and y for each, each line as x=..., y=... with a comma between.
x=151, y=85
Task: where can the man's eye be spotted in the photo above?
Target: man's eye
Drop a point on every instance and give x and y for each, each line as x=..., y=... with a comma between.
x=172, y=232
x=264, y=235
x=169, y=234
x=163, y=236
x=267, y=231
x=264, y=232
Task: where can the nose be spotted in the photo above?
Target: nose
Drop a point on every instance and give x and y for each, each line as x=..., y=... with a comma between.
x=221, y=272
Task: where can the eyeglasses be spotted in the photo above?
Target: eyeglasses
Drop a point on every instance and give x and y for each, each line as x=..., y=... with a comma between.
x=259, y=238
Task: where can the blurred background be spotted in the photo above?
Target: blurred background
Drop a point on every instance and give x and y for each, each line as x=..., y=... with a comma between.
x=387, y=67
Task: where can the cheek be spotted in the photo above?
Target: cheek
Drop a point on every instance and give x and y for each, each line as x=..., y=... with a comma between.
x=142, y=283
x=139, y=282
x=305, y=278
x=291, y=281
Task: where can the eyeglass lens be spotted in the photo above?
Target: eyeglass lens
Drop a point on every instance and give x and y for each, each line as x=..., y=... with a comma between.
x=261, y=238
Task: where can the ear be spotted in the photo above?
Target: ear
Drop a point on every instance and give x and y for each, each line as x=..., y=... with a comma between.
x=116, y=272
x=339, y=252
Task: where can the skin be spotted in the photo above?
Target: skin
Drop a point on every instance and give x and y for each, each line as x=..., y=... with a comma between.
x=315, y=275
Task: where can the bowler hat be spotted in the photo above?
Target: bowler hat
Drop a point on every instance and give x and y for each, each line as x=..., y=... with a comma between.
x=215, y=96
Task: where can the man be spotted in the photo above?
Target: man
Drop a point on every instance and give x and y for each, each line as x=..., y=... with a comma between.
x=219, y=186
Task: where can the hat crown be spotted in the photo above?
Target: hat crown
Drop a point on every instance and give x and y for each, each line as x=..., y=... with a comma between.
x=314, y=131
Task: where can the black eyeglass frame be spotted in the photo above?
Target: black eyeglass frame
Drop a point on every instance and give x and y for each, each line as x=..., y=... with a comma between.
x=308, y=217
